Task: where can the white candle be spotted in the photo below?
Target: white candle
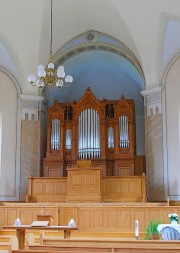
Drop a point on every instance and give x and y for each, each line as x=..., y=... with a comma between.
x=136, y=229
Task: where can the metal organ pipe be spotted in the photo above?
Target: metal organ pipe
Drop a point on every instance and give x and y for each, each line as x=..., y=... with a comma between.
x=110, y=136
x=94, y=137
x=124, y=131
x=89, y=134
x=55, y=134
x=68, y=139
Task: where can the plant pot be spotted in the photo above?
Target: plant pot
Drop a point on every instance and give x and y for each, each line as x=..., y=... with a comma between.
x=155, y=237
x=173, y=222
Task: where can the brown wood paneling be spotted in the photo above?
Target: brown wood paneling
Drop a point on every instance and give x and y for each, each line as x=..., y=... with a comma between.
x=84, y=185
x=87, y=185
x=92, y=218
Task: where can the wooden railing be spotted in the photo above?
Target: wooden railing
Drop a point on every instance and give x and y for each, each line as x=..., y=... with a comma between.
x=113, y=189
x=102, y=218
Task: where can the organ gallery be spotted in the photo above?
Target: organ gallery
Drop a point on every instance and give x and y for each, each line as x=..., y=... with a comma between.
x=101, y=131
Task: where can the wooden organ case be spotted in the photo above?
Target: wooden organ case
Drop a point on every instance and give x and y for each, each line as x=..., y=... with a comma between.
x=102, y=131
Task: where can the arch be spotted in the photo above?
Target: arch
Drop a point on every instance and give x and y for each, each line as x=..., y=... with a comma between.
x=166, y=101
x=11, y=116
x=98, y=42
x=0, y=139
x=168, y=67
x=13, y=78
x=108, y=67
x=13, y=65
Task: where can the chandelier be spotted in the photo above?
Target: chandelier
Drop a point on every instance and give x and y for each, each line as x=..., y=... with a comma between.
x=49, y=76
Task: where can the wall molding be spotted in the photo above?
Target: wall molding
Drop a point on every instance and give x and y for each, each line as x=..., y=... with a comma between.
x=153, y=100
x=30, y=106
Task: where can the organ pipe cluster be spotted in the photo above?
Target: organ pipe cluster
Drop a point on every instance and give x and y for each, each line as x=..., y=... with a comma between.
x=55, y=134
x=89, y=134
x=124, y=132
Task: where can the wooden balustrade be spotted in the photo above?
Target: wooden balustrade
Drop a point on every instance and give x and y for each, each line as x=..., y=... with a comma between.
x=81, y=181
x=117, y=218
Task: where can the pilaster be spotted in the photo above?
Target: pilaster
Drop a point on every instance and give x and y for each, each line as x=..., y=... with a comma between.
x=154, y=143
x=31, y=108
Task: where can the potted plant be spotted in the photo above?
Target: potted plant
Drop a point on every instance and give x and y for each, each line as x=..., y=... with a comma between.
x=152, y=232
x=174, y=218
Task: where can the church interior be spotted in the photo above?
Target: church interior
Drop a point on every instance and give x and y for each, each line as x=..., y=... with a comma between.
x=89, y=122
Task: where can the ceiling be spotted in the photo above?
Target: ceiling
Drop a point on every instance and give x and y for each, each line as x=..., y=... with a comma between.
x=150, y=31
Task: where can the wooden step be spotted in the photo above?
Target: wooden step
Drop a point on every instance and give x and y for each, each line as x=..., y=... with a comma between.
x=8, y=243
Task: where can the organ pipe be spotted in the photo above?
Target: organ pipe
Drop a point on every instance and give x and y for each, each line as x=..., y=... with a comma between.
x=89, y=134
x=124, y=131
x=55, y=134
x=110, y=136
x=68, y=139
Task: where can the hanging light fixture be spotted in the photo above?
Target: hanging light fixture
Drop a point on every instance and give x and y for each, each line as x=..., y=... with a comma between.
x=49, y=76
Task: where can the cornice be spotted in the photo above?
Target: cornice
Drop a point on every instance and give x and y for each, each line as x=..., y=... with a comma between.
x=153, y=100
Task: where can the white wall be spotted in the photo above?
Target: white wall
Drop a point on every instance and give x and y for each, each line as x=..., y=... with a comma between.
x=9, y=113
x=173, y=129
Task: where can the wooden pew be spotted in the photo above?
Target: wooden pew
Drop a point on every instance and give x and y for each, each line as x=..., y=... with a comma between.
x=21, y=230
x=113, y=243
x=8, y=244
x=126, y=246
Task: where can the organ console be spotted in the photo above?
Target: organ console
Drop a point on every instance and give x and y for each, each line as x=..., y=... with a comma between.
x=102, y=131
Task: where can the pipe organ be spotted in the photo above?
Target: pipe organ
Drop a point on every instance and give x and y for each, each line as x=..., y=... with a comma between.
x=100, y=130
x=89, y=134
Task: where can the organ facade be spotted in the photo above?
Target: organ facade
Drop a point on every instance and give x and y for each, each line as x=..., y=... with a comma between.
x=102, y=131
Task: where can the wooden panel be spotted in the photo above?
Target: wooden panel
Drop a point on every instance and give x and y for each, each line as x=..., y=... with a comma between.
x=25, y=216
x=12, y=214
x=83, y=163
x=2, y=216
x=53, y=171
x=38, y=187
x=123, y=188
x=139, y=165
x=119, y=218
x=104, y=245
x=66, y=213
x=140, y=215
x=84, y=185
x=45, y=218
x=61, y=187
x=92, y=218
x=47, y=189
x=124, y=168
x=125, y=171
x=27, y=213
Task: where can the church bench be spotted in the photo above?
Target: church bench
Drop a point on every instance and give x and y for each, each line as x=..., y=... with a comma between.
x=128, y=248
x=8, y=243
x=51, y=251
x=92, y=245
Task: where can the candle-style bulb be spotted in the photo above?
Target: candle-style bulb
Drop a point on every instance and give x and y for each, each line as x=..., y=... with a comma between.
x=136, y=229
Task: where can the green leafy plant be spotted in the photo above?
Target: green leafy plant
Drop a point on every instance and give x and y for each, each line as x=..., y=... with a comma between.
x=152, y=230
x=173, y=217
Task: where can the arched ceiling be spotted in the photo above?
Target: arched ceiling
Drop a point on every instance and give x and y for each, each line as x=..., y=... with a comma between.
x=150, y=29
x=107, y=74
x=100, y=62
